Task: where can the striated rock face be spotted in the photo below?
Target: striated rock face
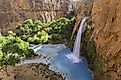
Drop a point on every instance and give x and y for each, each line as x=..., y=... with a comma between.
x=14, y=11
x=106, y=18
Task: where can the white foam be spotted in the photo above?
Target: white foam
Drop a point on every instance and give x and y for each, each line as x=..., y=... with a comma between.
x=73, y=58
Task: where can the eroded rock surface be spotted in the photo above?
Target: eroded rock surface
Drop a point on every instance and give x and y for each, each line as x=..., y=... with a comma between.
x=106, y=17
x=14, y=11
x=29, y=72
x=106, y=22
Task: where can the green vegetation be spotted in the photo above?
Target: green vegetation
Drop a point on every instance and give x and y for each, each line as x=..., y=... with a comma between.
x=37, y=32
x=13, y=49
x=14, y=46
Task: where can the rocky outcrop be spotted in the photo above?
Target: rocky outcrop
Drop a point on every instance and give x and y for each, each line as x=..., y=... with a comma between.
x=14, y=11
x=106, y=20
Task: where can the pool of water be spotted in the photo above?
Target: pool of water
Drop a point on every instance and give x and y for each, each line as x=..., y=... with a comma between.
x=60, y=59
x=75, y=71
x=55, y=57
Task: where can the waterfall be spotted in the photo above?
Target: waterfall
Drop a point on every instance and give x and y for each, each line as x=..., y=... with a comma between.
x=60, y=59
x=75, y=55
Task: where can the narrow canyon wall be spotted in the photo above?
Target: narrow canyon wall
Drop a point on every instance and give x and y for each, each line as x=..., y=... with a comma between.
x=14, y=11
x=106, y=34
x=106, y=20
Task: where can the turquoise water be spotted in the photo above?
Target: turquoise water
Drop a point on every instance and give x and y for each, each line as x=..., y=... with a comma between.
x=60, y=63
x=60, y=59
x=75, y=71
x=72, y=64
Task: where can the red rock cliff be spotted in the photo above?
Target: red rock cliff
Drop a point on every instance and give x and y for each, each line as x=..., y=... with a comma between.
x=14, y=11
x=106, y=17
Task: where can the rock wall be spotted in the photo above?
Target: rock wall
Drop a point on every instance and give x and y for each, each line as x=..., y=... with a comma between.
x=14, y=11
x=106, y=27
x=106, y=20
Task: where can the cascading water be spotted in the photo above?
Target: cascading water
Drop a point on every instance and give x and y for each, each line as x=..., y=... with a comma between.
x=76, y=49
x=69, y=64
x=75, y=56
